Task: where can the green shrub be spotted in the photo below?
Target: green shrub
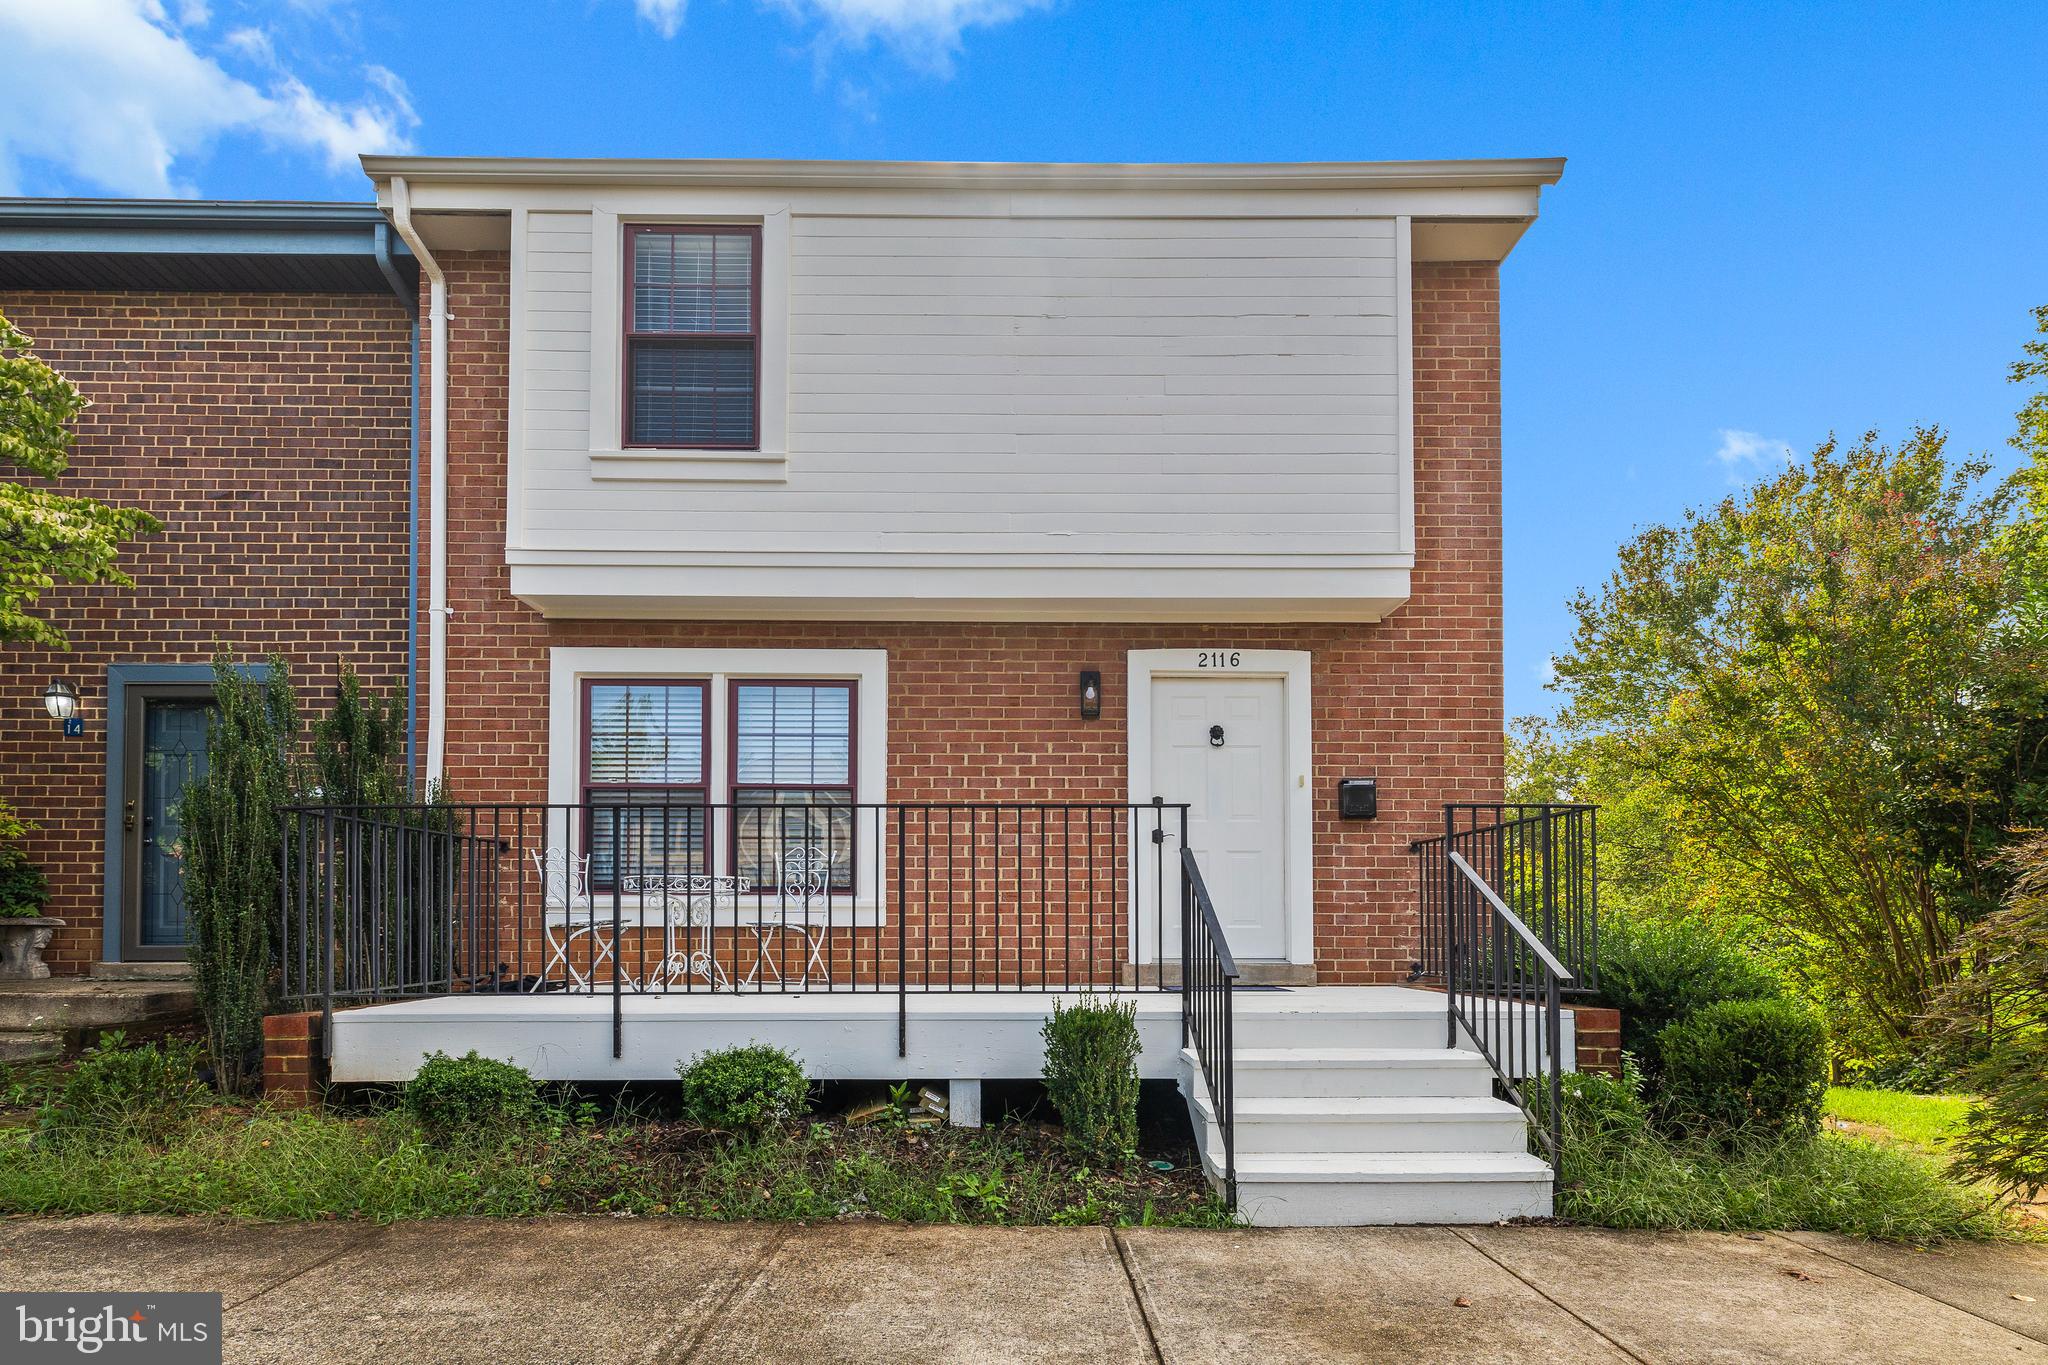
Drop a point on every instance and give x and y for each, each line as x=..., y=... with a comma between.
x=471, y=1095
x=1091, y=1075
x=234, y=826
x=118, y=1091
x=1751, y=1067
x=23, y=888
x=745, y=1089
x=1657, y=972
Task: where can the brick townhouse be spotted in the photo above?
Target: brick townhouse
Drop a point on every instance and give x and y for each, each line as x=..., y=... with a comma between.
x=910, y=452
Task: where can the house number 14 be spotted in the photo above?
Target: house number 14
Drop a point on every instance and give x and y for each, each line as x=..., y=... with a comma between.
x=1218, y=658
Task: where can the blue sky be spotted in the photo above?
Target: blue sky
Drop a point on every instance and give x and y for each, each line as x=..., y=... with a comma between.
x=1778, y=220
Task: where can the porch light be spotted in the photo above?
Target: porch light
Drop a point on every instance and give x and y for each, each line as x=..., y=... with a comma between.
x=60, y=699
x=1091, y=694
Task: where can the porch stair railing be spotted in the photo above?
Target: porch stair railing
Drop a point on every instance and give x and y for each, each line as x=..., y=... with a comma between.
x=1207, y=1018
x=1508, y=920
x=1504, y=988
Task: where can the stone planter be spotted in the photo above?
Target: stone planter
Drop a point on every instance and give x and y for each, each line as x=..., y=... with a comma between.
x=21, y=947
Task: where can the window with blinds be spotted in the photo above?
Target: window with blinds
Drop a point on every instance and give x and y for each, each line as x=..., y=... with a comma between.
x=792, y=784
x=646, y=778
x=693, y=337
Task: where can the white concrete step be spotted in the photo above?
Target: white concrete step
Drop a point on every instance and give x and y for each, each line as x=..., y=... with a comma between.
x=1302, y=1072
x=1330, y=1190
x=1448, y=1123
x=1283, y=1020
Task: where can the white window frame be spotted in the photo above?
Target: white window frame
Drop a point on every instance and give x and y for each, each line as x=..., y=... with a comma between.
x=867, y=669
x=769, y=461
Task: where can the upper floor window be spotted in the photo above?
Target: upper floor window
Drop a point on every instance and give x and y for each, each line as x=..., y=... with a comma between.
x=693, y=336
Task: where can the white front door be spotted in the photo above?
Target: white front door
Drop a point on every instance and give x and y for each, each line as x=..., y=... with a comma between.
x=1220, y=744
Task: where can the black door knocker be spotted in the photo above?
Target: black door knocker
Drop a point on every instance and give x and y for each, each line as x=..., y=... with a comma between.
x=1215, y=736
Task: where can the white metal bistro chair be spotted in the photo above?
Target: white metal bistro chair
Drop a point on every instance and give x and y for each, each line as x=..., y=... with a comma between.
x=806, y=877
x=567, y=915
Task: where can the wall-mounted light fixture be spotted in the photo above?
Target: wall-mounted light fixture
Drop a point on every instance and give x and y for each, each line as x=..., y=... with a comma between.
x=1091, y=694
x=60, y=699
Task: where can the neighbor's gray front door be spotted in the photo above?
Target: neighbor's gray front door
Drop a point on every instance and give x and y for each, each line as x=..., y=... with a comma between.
x=166, y=742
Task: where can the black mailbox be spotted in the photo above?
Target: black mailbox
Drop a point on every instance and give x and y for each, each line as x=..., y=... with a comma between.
x=1358, y=798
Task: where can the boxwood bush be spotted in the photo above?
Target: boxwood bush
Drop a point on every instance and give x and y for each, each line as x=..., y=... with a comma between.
x=1091, y=1075
x=1747, y=1068
x=745, y=1089
x=471, y=1096
x=1657, y=972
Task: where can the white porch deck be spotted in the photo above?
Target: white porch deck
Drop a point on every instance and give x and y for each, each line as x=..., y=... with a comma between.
x=836, y=1034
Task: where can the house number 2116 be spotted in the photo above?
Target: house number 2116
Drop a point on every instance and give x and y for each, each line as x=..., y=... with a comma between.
x=1218, y=658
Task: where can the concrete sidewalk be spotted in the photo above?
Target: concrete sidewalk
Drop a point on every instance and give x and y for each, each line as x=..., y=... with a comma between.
x=647, y=1290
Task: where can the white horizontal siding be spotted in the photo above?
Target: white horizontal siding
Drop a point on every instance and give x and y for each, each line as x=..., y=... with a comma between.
x=554, y=311
x=1071, y=387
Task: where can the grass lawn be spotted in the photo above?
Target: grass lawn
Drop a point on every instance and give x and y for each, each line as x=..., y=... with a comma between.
x=1929, y=1122
x=1824, y=1184
x=1882, y=1177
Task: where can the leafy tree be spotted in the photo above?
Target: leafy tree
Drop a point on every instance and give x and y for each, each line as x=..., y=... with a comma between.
x=46, y=537
x=2000, y=1013
x=1797, y=685
x=233, y=833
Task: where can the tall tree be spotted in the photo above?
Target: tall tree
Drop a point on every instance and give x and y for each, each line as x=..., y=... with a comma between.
x=46, y=537
x=1803, y=671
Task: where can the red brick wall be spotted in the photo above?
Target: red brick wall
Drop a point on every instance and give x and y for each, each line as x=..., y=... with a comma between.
x=270, y=435
x=1598, y=1039
x=986, y=711
x=294, y=1068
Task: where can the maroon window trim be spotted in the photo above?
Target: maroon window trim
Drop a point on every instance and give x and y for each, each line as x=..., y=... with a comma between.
x=588, y=788
x=633, y=333
x=851, y=786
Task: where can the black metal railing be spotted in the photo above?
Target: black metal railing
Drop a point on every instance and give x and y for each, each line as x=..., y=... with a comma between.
x=1543, y=863
x=1504, y=988
x=1207, y=1019
x=655, y=895
x=380, y=904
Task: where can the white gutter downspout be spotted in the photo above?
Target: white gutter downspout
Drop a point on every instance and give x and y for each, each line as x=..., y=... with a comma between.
x=437, y=482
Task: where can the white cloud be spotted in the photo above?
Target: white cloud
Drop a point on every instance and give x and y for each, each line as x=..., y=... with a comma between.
x=116, y=93
x=1545, y=670
x=1744, y=452
x=665, y=15
x=925, y=33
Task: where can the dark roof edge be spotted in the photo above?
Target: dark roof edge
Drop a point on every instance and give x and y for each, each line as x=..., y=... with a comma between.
x=199, y=244
x=187, y=213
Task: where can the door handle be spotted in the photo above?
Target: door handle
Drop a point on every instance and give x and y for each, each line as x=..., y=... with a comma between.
x=128, y=816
